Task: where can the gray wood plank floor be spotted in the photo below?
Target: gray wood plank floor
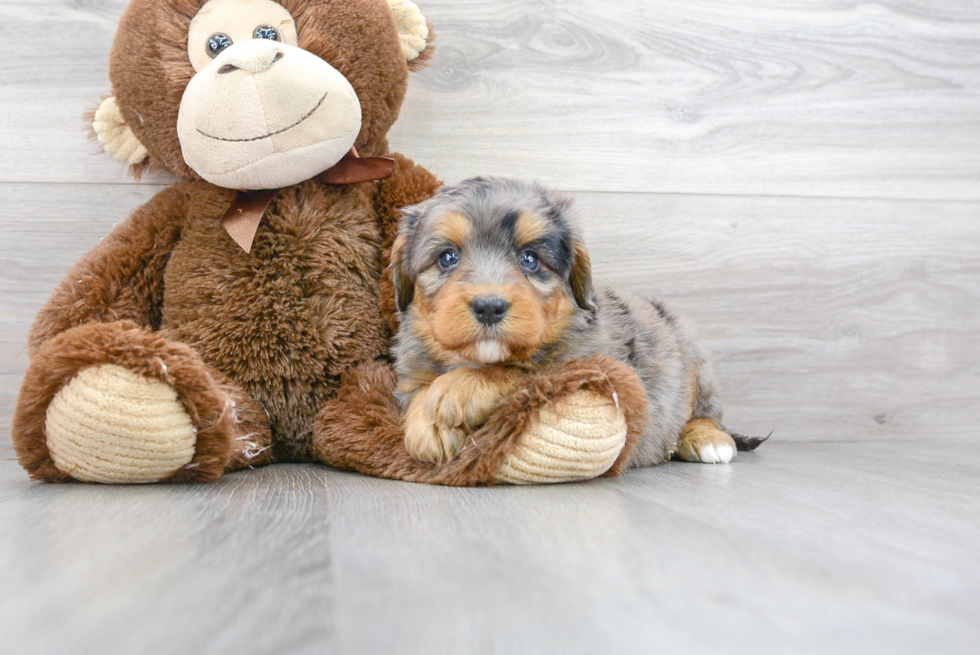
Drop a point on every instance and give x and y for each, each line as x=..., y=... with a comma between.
x=801, y=178
x=798, y=548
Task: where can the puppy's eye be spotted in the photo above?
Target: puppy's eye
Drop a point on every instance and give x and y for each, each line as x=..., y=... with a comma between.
x=216, y=43
x=448, y=259
x=529, y=261
x=266, y=32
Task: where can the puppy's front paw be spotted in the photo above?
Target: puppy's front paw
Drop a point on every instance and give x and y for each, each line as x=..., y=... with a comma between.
x=702, y=441
x=441, y=415
x=426, y=437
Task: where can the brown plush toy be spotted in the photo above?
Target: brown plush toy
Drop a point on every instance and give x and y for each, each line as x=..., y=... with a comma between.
x=243, y=315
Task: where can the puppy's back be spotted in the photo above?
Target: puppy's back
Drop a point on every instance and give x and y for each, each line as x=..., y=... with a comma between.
x=661, y=346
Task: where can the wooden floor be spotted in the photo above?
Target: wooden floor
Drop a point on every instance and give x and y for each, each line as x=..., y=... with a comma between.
x=798, y=548
x=802, y=178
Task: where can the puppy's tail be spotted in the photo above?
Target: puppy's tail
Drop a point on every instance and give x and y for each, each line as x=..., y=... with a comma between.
x=748, y=443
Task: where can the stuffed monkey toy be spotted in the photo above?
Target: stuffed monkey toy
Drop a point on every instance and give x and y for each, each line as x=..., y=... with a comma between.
x=243, y=315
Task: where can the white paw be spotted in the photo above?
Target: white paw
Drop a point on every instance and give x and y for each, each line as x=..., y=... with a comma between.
x=702, y=442
x=716, y=454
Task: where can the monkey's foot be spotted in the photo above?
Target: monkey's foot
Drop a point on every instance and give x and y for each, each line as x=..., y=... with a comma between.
x=578, y=437
x=113, y=403
x=111, y=425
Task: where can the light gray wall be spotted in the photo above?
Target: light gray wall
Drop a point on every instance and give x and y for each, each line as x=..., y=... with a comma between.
x=801, y=178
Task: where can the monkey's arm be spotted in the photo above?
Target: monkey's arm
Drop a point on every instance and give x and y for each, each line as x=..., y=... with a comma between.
x=571, y=421
x=410, y=184
x=122, y=277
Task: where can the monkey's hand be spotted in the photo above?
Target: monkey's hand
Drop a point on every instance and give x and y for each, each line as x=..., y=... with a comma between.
x=441, y=415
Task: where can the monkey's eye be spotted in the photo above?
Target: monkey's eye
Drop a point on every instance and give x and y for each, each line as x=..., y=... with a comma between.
x=529, y=261
x=448, y=259
x=266, y=32
x=217, y=43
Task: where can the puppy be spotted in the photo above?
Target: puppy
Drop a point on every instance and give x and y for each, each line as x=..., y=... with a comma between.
x=492, y=279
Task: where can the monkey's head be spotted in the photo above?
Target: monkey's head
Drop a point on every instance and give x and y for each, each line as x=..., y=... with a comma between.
x=257, y=94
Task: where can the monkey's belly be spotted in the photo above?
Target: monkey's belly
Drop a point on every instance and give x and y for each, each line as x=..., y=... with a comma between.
x=285, y=321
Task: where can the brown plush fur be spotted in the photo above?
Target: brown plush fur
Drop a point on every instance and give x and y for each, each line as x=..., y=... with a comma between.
x=286, y=320
x=283, y=323
x=144, y=352
x=277, y=354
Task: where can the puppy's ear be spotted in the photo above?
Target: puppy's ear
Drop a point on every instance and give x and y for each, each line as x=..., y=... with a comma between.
x=404, y=287
x=580, y=277
x=401, y=252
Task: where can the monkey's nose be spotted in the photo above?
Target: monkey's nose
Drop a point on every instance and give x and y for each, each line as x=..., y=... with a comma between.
x=253, y=56
x=489, y=310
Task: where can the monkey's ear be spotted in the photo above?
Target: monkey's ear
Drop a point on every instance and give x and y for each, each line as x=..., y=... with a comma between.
x=116, y=136
x=404, y=287
x=413, y=30
x=580, y=277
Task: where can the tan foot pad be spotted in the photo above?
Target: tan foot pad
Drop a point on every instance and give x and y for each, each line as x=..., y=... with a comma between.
x=578, y=438
x=111, y=425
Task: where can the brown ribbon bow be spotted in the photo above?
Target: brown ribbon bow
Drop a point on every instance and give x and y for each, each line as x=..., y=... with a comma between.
x=242, y=219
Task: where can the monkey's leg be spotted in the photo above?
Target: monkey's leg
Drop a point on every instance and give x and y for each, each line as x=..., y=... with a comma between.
x=116, y=403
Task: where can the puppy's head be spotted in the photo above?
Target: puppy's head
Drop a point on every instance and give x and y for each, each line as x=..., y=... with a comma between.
x=490, y=270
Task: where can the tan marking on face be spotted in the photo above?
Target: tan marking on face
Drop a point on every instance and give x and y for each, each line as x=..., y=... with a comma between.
x=421, y=313
x=558, y=311
x=525, y=323
x=454, y=228
x=421, y=306
x=529, y=228
x=516, y=337
x=533, y=320
x=453, y=323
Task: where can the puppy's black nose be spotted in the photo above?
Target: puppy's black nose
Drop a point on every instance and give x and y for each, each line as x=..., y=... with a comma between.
x=489, y=310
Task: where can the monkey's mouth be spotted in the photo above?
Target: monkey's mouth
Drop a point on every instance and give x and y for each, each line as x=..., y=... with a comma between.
x=270, y=134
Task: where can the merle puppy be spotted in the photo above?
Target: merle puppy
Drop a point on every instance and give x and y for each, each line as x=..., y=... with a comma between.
x=492, y=279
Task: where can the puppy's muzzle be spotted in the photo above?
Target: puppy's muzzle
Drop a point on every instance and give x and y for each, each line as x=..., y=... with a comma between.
x=489, y=310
